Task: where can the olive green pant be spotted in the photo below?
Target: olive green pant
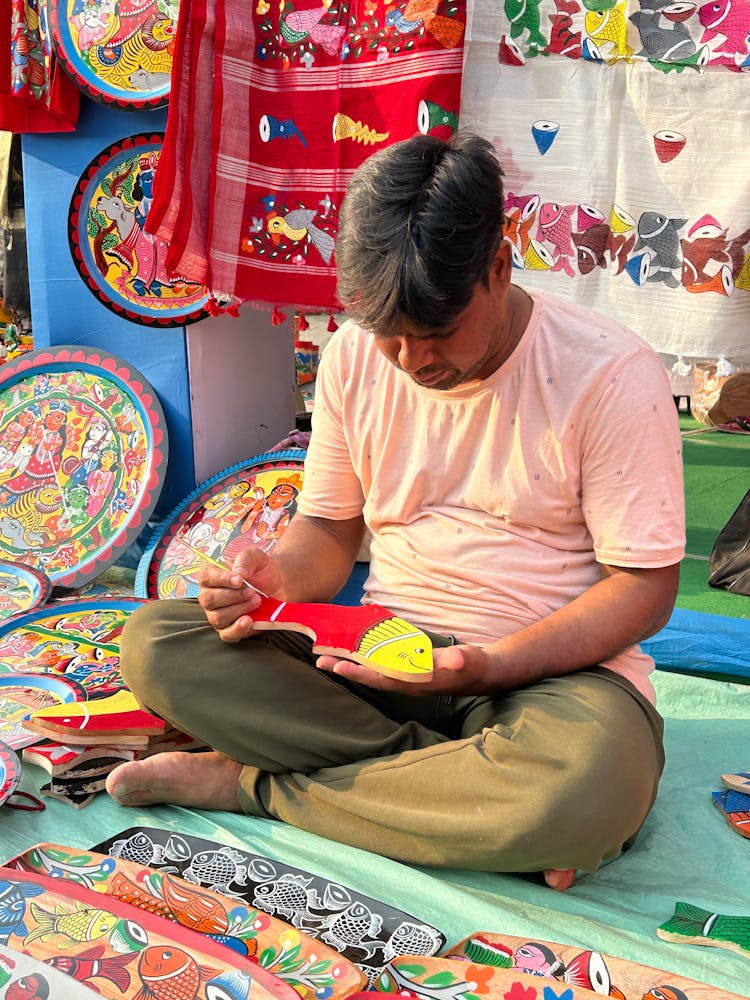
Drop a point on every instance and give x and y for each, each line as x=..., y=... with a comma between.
x=561, y=774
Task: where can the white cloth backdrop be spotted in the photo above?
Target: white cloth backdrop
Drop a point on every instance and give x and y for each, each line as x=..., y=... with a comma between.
x=647, y=173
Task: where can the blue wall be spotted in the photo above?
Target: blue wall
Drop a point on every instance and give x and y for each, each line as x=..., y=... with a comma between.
x=63, y=309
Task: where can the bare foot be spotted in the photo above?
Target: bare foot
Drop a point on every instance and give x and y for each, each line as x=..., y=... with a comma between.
x=559, y=878
x=203, y=780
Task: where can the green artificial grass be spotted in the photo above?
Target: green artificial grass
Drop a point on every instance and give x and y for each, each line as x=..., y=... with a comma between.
x=717, y=476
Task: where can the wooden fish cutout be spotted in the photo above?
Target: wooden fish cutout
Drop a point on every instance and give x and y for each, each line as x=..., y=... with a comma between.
x=691, y=924
x=738, y=782
x=735, y=808
x=369, y=634
x=118, y=717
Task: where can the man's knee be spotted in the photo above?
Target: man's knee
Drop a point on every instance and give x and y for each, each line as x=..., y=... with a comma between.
x=147, y=657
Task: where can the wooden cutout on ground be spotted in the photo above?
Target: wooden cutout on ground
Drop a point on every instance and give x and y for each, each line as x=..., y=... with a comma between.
x=735, y=808
x=591, y=970
x=448, y=979
x=100, y=939
x=114, y=720
x=738, y=782
x=690, y=924
x=25, y=978
x=366, y=931
x=305, y=964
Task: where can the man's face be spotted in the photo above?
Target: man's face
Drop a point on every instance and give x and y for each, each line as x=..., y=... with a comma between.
x=470, y=349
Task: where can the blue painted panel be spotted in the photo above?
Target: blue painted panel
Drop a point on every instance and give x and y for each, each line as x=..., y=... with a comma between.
x=63, y=309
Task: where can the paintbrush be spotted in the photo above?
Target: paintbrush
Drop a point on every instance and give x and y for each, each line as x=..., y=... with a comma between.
x=217, y=562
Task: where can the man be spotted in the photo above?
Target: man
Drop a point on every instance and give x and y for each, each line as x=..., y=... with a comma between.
x=517, y=462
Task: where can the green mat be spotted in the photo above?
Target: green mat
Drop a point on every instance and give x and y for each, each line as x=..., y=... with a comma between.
x=717, y=476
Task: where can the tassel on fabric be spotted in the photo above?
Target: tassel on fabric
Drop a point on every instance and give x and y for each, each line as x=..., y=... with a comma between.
x=302, y=323
x=277, y=317
x=332, y=324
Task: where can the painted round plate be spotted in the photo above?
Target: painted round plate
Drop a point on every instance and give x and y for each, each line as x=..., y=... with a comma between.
x=83, y=452
x=75, y=641
x=250, y=503
x=118, y=51
x=122, y=264
x=10, y=771
x=21, y=588
x=22, y=694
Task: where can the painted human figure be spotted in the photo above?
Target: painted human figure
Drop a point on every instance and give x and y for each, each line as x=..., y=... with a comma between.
x=43, y=467
x=100, y=482
x=99, y=437
x=267, y=520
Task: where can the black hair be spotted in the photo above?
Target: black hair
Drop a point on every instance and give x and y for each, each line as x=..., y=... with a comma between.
x=419, y=227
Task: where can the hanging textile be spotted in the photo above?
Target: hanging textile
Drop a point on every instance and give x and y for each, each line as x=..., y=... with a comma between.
x=300, y=96
x=623, y=132
x=35, y=94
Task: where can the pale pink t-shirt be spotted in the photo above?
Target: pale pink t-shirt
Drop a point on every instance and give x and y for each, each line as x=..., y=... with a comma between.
x=490, y=505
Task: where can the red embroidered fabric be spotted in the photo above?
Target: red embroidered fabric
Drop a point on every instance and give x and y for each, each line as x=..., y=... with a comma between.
x=269, y=117
x=35, y=93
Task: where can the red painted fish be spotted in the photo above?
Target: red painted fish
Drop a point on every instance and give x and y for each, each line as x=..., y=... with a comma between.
x=90, y=965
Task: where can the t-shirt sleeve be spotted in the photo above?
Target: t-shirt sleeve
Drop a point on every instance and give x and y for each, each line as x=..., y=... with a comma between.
x=331, y=487
x=632, y=481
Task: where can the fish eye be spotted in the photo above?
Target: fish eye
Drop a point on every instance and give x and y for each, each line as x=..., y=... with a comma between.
x=419, y=649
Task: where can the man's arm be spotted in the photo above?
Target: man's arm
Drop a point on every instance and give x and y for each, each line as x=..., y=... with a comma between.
x=311, y=562
x=624, y=607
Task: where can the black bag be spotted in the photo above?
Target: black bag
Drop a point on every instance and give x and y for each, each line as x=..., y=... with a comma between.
x=730, y=556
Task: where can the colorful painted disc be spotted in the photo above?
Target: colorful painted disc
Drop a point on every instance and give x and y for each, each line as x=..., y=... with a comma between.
x=250, y=503
x=122, y=264
x=21, y=588
x=83, y=452
x=76, y=641
x=118, y=53
x=24, y=693
x=10, y=771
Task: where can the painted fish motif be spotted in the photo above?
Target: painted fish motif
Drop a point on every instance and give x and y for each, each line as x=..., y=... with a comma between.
x=704, y=927
x=289, y=896
x=170, y=974
x=411, y=939
x=353, y=928
x=609, y=27
x=669, y=44
x=84, y=923
x=727, y=18
x=537, y=959
x=699, y=253
x=90, y=965
x=139, y=848
x=659, y=236
x=13, y=897
x=564, y=40
x=193, y=908
x=556, y=228
x=369, y=634
x=217, y=869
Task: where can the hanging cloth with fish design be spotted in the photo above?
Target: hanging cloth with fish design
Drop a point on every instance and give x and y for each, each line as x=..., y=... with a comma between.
x=271, y=114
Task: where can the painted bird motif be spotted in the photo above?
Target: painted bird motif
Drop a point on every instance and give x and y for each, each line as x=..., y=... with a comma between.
x=446, y=30
x=298, y=225
x=368, y=634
